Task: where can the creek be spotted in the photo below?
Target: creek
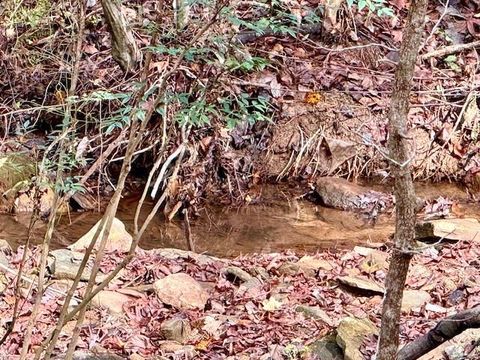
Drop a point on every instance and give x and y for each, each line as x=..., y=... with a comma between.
x=278, y=222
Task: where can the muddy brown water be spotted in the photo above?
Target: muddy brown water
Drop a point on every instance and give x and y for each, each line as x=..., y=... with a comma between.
x=278, y=223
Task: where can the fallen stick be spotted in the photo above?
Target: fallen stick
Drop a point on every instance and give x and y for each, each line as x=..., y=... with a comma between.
x=450, y=50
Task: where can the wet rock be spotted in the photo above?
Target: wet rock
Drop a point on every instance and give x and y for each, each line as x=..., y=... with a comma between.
x=342, y=194
x=112, y=301
x=84, y=200
x=414, y=299
x=66, y=263
x=235, y=274
x=362, y=284
x=325, y=349
x=181, y=291
x=118, y=239
x=449, y=229
x=180, y=351
x=351, y=333
x=178, y=330
x=315, y=312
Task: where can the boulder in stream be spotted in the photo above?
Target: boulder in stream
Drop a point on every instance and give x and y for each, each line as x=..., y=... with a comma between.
x=467, y=229
x=118, y=239
x=342, y=194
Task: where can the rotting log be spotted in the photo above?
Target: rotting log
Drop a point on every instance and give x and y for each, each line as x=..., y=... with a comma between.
x=445, y=330
x=124, y=48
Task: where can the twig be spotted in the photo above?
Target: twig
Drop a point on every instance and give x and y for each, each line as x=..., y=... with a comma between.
x=437, y=24
x=452, y=49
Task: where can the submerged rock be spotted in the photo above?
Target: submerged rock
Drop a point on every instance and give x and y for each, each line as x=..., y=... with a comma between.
x=449, y=229
x=118, y=239
x=342, y=194
x=181, y=291
x=351, y=333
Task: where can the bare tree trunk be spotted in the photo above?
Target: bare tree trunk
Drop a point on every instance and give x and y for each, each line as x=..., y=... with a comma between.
x=445, y=330
x=124, y=48
x=404, y=191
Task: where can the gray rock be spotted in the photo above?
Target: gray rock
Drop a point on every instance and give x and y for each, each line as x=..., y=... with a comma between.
x=66, y=263
x=237, y=274
x=178, y=330
x=315, y=312
x=325, y=349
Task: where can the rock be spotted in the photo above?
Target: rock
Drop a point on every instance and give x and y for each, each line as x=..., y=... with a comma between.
x=315, y=312
x=342, y=194
x=180, y=351
x=118, y=239
x=289, y=269
x=374, y=261
x=201, y=259
x=181, y=291
x=3, y=281
x=310, y=265
x=325, y=349
x=414, y=299
x=449, y=229
x=236, y=274
x=84, y=200
x=178, y=330
x=361, y=284
x=351, y=333
x=251, y=288
x=66, y=263
x=112, y=301
x=4, y=260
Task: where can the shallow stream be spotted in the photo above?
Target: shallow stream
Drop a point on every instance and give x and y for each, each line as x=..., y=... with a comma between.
x=278, y=222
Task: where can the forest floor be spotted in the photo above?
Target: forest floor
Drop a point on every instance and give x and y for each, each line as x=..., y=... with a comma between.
x=183, y=305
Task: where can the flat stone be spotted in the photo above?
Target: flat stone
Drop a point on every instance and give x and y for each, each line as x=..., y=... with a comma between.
x=315, y=312
x=414, y=299
x=181, y=291
x=178, y=330
x=118, y=239
x=351, y=333
x=112, y=301
x=467, y=229
x=201, y=259
x=310, y=265
x=361, y=284
x=66, y=264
